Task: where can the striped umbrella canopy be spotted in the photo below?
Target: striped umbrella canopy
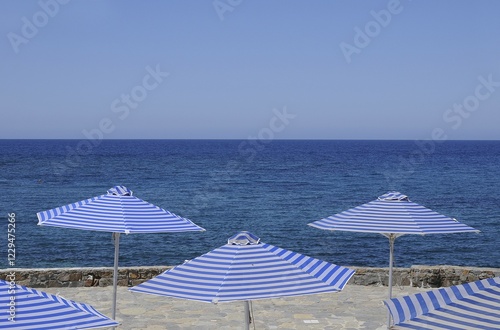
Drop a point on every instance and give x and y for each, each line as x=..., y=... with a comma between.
x=118, y=211
x=25, y=308
x=392, y=215
x=468, y=306
x=246, y=269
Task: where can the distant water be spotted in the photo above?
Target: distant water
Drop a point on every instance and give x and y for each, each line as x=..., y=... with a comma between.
x=272, y=189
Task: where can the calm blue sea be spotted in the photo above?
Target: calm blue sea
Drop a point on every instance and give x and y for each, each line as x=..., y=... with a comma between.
x=271, y=188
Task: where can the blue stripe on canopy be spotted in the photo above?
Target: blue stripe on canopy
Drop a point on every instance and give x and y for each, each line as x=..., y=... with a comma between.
x=468, y=306
x=247, y=272
x=42, y=311
x=118, y=211
x=392, y=213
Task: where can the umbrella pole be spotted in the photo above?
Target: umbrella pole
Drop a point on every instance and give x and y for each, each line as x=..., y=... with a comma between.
x=392, y=238
x=116, y=237
x=247, y=315
x=391, y=262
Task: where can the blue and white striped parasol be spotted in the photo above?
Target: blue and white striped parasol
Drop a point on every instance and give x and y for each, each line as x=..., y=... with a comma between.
x=246, y=269
x=25, y=308
x=392, y=215
x=118, y=211
x=473, y=305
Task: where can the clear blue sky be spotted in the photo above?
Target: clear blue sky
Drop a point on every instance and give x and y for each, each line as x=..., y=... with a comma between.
x=234, y=64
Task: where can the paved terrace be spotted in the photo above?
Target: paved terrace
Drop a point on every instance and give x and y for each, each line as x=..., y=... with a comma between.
x=356, y=307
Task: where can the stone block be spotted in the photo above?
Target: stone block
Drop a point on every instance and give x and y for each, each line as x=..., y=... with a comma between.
x=54, y=284
x=64, y=277
x=75, y=276
x=136, y=282
x=121, y=282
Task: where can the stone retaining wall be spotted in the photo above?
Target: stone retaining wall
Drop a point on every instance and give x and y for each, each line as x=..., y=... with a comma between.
x=421, y=276
x=79, y=277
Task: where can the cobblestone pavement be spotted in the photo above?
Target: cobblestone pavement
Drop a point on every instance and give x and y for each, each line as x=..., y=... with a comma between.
x=356, y=307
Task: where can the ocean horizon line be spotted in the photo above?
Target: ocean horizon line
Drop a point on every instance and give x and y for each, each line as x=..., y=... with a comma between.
x=243, y=139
